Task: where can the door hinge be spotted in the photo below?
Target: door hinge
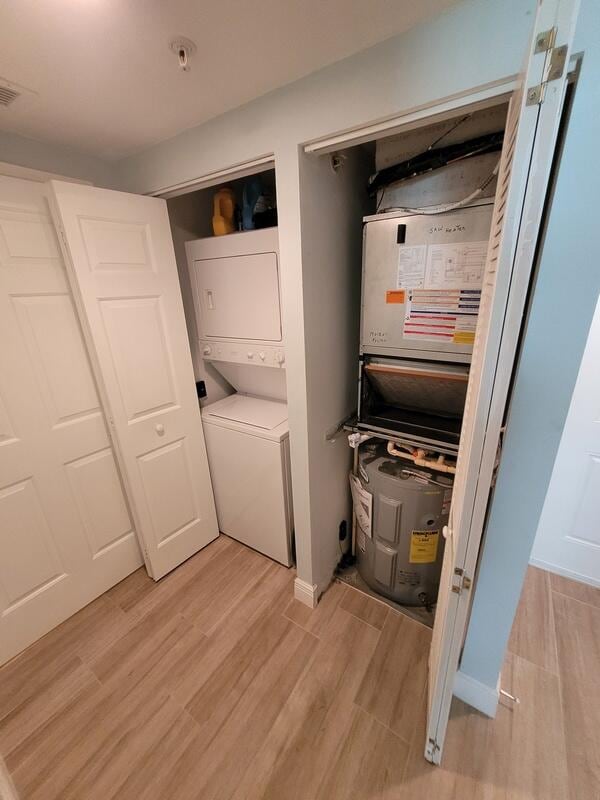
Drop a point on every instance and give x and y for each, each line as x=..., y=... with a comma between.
x=554, y=68
x=558, y=62
x=460, y=581
x=432, y=748
x=535, y=94
x=544, y=41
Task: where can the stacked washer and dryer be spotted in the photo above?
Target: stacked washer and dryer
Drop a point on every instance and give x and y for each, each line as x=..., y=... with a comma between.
x=236, y=286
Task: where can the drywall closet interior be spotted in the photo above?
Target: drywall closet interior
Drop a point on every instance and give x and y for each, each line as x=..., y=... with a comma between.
x=335, y=196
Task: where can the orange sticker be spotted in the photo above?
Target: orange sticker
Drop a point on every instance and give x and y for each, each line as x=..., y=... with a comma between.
x=395, y=296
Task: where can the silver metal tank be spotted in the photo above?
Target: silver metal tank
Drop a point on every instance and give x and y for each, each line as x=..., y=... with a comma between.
x=402, y=558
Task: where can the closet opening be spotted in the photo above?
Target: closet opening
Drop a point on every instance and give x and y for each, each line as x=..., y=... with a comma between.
x=398, y=324
x=227, y=252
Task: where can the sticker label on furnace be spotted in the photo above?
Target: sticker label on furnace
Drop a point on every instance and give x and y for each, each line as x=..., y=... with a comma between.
x=443, y=290
x=423, y=547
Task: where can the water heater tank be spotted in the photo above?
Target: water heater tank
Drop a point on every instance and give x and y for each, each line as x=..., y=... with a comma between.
x=401, y=556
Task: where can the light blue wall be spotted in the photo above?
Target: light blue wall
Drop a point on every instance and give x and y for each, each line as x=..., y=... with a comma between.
x=475, y=43
x=566, y=291
x=55, y=158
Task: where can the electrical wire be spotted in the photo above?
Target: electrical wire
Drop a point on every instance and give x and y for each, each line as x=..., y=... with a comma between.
x=449, y=131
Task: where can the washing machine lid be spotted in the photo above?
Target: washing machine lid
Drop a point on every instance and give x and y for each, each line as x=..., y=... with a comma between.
x=257, y=411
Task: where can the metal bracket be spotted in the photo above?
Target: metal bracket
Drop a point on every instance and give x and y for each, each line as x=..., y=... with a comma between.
x=460, y=581
x=558, y=60
x=457, y=580
x=555, y=67
x=432, y=748
x=545, y=40
x=534, y=94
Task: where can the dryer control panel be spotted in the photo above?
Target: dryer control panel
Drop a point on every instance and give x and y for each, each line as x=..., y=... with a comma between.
x=247, y=352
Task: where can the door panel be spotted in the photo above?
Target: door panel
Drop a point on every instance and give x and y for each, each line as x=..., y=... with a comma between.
x=65, y=529
x=167, y=483
x=114, y=245
x=30, y=560
x=99, y=496
x=527, y=155
x=141, y=362
x=122, y=269
x=568, y=536
x=58, y=357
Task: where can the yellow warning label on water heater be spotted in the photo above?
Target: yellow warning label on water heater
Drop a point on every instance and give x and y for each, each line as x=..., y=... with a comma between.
x=423, y=547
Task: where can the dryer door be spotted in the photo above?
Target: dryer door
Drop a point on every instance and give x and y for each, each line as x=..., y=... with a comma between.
x=238, y=297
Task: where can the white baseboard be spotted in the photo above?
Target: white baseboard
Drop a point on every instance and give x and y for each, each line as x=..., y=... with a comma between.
x=306, y=593
x=476, y=694
x=566, y=573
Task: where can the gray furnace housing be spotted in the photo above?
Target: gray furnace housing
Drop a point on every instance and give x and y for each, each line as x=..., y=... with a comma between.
x=427, y=265
x=402, y=559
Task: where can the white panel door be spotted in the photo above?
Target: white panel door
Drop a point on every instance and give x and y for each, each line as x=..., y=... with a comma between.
x=530, y=138
x=66, y=534
x=568, y=535
x=122, y=269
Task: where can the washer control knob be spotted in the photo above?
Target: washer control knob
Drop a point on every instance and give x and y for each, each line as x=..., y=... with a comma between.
x=250, y=354
x=262, y=356
x=207, y=351
x=279, y=357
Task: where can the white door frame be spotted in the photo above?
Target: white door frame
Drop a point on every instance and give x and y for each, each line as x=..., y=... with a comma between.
x=239, y=170
x=474, y=99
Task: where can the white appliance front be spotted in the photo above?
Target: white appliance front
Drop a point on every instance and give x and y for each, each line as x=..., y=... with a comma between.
x=236, y=286
x=250, y=472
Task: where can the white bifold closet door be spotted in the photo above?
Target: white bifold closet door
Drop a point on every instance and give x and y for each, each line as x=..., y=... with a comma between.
x=66, y=534
x=529, y=144
x=122, y=269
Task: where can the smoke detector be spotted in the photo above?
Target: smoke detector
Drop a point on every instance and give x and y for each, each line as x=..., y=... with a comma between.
x=9, y=92
x=183, y=49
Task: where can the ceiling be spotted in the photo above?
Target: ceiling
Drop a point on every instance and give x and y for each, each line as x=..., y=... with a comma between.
x=105, y=82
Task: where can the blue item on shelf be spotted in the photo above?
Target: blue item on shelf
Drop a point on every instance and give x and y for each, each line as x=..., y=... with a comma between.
x=252, y=191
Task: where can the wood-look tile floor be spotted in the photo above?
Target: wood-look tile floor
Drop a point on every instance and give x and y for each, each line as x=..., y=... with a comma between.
x=215, y=683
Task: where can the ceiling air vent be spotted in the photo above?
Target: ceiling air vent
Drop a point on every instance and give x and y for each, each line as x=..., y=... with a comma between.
x=7, y=95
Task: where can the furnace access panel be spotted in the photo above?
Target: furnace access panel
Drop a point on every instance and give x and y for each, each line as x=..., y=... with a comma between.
x=422, y=279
